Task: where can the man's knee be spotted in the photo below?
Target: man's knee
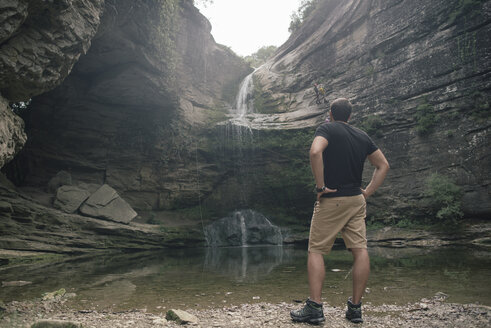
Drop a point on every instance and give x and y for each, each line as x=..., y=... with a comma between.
x=359, y=252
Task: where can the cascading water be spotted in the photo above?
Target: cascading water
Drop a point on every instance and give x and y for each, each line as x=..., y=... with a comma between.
x=244, y=103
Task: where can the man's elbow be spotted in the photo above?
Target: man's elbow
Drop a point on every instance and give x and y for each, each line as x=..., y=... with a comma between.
x=315, y=152
x=385, y=166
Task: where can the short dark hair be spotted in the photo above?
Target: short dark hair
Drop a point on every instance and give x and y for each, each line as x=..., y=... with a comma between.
x=341, y=109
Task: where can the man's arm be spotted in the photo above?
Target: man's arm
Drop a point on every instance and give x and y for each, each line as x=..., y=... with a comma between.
x=378, y=160
x=316, y=163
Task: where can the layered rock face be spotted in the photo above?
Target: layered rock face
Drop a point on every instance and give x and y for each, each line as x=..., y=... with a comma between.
x=418, y=74
x=39, y=44
x=130, y=112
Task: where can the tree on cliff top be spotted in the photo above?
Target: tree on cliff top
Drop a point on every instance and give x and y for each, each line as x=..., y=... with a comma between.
x=259, y=57
x=304, y=10
x=204, y=2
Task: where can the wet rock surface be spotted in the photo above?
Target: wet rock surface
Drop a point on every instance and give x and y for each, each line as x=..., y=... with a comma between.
x=433, y=312
x=243, y=228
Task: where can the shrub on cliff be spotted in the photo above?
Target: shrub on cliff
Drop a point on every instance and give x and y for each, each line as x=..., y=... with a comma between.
x=444, y=197
x=304, y=10
x=426, y=119
x=259, y=57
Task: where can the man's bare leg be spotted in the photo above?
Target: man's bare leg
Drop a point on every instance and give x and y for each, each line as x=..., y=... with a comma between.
x=361, y=271
x=317, y=272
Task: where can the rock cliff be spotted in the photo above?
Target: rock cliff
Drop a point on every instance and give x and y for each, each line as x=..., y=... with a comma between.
x=125, y=111
x=418, y=74
x=130, y=111
x=145, y=108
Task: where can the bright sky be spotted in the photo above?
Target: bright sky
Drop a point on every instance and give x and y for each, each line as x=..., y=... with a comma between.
x=247, y=25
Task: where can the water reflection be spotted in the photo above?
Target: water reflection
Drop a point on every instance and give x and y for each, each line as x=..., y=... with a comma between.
x=218, y=276
x=244, y=263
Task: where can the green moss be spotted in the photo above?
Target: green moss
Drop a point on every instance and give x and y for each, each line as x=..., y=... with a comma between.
x=372, y=125
x=426, y=119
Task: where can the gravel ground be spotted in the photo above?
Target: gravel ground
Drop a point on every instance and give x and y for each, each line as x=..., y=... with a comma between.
x=426, y=313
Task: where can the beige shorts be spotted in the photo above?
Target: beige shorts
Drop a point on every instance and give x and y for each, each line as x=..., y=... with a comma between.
x=334, y=215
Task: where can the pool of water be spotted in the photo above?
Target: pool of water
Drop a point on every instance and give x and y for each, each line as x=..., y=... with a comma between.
x=187, y=278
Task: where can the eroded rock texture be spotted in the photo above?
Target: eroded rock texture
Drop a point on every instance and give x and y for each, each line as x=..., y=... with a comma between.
x=418, y=73
x=40, y=41
x=130, y=112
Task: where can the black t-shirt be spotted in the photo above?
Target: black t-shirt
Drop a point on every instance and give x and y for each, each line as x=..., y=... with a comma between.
x=344, y=157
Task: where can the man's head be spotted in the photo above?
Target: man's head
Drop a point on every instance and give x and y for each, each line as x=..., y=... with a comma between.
x=341, y=109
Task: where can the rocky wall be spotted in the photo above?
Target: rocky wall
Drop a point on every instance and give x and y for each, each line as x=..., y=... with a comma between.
x=418, y=74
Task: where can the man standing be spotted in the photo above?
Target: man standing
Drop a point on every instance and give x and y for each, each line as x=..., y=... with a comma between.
x=337, y=156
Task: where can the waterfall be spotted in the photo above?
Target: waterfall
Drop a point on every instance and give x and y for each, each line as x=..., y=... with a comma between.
x=243, y=228
x=244, y=102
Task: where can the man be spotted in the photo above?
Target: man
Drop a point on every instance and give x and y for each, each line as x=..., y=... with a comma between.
x=337, y=156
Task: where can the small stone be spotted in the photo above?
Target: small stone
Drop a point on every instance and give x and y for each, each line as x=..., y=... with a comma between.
x=181, y=317
x=159, y=321
x=56, y=324
x=255, y=297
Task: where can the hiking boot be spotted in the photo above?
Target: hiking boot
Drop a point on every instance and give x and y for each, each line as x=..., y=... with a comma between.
x=353, y=313
x=312, y=313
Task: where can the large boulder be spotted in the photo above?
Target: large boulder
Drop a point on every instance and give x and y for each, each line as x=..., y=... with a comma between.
x=69, y=198
x=105, y=203
x=243, y=228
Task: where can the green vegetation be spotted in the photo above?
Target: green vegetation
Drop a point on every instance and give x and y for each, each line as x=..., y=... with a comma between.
x=259, y=57
x=304, y=10
x=372, y=125
x=426, y=119
x=444, y=198
x=203, y=2
x=269, y=168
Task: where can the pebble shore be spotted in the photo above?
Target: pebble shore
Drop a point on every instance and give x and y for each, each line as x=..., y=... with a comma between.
x=433, y=312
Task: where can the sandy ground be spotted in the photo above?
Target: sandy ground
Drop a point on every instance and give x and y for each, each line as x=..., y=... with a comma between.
x=433, y=312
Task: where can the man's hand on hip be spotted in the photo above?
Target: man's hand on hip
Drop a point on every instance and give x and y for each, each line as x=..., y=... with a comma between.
x=325, y=191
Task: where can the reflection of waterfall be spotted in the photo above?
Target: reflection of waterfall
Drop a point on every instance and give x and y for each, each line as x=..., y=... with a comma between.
x=246, y=263
x=243, y=228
